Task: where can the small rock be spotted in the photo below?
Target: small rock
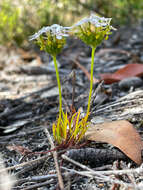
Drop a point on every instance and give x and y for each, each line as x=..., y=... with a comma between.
x=127, y=83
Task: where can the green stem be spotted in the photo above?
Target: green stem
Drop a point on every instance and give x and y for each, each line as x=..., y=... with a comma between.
x=59, y=86
x=91, y=79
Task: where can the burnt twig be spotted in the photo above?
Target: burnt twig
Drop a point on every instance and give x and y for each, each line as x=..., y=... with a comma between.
x=95, y=156
x=61, y=183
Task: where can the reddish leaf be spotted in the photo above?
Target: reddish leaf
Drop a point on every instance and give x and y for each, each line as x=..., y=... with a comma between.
x=129, y=70
x=121, y=134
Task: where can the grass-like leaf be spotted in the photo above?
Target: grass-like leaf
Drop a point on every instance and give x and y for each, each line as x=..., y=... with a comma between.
x=69, y=130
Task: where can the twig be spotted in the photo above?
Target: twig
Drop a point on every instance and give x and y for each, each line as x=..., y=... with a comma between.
x=13, y=110
x=60, y=179
x=115, y=172
x=76, y=163
x=37, y=92
x=73, y=90
x=21, y=134
x=102, y=175
x=39, y=184
x=84, y=70
x=77, y=172
x=25, y=163
x=43, y=177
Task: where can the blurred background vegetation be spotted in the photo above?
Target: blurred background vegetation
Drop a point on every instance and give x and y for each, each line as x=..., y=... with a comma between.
x=20, y=19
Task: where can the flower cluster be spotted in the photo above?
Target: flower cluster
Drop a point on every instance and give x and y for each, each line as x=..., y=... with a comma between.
x=93, y=30
x=54, y=30
x=51, y=38
x=95, y=20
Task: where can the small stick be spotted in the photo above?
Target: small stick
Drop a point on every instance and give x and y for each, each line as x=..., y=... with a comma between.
x=37, y=185
x=60, y=179
x=73, y=90
x=77, y=163
x=103, y=174
x=25, y=164
x=99, y=177
x=85, y=71
x=43, y=177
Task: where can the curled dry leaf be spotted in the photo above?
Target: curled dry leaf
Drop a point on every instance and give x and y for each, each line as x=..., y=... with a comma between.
x=121, y=134
x=129, y=70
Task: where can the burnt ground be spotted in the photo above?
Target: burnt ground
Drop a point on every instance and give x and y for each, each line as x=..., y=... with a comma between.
x=29, y=105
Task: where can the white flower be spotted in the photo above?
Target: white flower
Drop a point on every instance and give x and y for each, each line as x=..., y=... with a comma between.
x=99, y=21
x=37, y=34
x=95, y=20
x=55, y=30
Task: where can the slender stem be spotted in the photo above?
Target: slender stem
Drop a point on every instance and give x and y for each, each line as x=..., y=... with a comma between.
x=91, y=79
x=59, y=86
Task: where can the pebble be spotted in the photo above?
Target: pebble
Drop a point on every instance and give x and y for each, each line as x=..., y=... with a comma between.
x=127, y=83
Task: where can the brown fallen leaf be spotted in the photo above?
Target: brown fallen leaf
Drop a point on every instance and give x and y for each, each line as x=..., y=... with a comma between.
x=121, y=134
x=130, y=70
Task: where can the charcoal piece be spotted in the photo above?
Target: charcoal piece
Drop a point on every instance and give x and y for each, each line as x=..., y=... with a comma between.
x=127, y=83
x=96, y=157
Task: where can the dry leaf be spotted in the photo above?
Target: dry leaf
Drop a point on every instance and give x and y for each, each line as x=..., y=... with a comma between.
x=130, y=70
x=121, y=134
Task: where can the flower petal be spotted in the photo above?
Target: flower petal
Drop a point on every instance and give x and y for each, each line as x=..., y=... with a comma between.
x=55, y=30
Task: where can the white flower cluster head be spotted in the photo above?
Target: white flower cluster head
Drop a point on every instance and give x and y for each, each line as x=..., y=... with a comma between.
x=55, y=30
x=95, y=20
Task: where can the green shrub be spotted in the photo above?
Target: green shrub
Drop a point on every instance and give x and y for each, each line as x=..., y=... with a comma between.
x=123, y=11
x=8, y=21
x=19, y=19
